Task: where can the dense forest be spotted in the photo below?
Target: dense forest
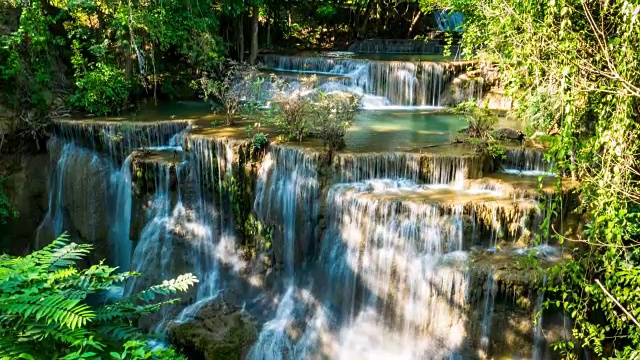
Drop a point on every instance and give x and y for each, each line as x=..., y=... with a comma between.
x=572, y=68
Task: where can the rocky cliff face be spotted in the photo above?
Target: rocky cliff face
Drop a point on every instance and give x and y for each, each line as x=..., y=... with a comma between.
x=26, y=186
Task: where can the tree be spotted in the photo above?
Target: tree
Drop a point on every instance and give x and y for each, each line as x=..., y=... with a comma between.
x=255, y=16
x=575, y=66
x=50, y=309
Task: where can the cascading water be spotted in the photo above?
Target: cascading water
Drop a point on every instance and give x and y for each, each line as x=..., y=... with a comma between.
x=119, y=237
x=490, y=289
x=444, y=170
x=384, y=84
x=118, y=139
x=538, y=336
x=525, y=161
x=287, y=194
x=389, y=282
x=375, y=249
x=212, y=160
x=359, y=167
x=80, y=194
x=79, y=163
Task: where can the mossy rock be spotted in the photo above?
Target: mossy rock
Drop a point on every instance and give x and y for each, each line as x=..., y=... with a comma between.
x=219, y=331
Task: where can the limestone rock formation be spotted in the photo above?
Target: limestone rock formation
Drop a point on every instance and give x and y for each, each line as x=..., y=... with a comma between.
x=219, y=331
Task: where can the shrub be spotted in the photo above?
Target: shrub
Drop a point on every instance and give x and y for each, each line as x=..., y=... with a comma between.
x=260, y=141
x=334, y=113
x=235, y=87
x=7, y=211
x=541, y=110
x=48, y=307
x=101, y=90
x=480, y=120
x=292, y=110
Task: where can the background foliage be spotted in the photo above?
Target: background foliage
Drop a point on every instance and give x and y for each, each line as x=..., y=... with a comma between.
x=575, y=69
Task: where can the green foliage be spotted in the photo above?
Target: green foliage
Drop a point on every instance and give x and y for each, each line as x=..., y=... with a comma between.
x=495, y=149
x=292, y=111
x=326, y=10
x=230, y=88
x=101, y=90
x=480, y=120
x=48, y=308
x=249, y=130
x=540, y=110
x=575, y=67
x=260, y=141
x=333, y=115
x=7, y=211
x=114, y=48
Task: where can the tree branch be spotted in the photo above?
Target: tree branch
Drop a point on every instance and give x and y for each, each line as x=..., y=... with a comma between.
x=617, y=303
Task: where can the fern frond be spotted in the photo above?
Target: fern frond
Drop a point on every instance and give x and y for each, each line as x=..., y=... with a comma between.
x=179, y=284
x=92, y=283
x=67, y=255
x=119, y=332
x=11, y=349
x=63, y=274
x=55, y=308
x=37, y=332
x=60, y=253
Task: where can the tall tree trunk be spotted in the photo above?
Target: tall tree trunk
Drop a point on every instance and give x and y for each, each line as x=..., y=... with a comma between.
x=241, y=38
x=254, y=34
x=414, y=20
x=269, y=17
x=367, y=13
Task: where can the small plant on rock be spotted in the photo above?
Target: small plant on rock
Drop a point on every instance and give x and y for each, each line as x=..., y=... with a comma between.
x=480, y=124
x=292, y=109
x=334, y=113
x=234, y=86
x=480, y=120
x=260, y=141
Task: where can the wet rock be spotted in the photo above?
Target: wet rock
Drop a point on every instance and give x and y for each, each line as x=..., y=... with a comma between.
x=219, y=331
x=508, y=134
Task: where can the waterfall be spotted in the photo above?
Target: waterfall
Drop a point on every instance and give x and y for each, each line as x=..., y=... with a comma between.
x=89, y=193
x=388, y=271
x=287, y=194
x=433, y=169
x=530, y=162
x=79, y=195
x=376, y=254
x=118, y=139
x=211, y=159
x=398, y=165
x=396, y=282
x=490, y=290
x=119, y=237
x=539, y=340
x=451, y=170
x=384, y=83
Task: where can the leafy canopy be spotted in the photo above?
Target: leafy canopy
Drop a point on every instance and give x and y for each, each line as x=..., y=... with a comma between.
x=574, y=67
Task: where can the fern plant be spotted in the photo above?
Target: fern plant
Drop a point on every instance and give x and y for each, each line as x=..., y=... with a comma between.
x=48, y=307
